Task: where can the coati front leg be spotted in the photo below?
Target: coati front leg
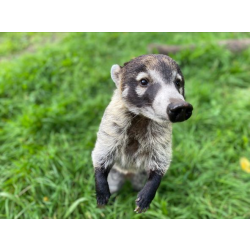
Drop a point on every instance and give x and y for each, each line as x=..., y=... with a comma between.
x=101, y=185
x=147, y=194
x=102, y=167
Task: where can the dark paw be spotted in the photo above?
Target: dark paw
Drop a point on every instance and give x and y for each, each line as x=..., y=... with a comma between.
x=147, y=194
x=102, y=199
x=142, y=204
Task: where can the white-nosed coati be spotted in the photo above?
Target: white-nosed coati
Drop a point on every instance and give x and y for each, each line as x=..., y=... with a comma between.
x=134, y=138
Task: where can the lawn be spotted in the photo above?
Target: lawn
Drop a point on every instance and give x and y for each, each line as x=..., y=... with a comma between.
x=53, y=91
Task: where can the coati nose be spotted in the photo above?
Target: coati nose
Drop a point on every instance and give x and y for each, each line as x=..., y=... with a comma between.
x=179, y=111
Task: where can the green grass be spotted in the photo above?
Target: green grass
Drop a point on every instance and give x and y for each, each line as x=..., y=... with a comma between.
x=51, y=102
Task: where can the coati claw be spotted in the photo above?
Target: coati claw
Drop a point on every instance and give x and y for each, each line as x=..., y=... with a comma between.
x=102, y=200
x=136, y=209
x=139, y=210
x=142, y=205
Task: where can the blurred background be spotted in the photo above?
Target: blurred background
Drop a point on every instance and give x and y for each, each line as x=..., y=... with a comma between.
x=54, y=88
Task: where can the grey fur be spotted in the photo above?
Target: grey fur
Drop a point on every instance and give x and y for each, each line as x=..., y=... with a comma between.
x=135, y=132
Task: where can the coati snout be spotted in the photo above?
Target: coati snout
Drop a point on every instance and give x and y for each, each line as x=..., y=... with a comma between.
x=135, y=135
x=179, y=111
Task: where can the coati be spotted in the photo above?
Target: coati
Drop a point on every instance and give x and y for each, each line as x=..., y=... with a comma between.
x=134, y=137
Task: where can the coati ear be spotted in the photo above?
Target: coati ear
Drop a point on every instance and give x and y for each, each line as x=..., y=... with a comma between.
x=115, y=71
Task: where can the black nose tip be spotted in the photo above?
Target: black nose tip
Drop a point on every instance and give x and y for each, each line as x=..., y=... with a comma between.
x=179, y=111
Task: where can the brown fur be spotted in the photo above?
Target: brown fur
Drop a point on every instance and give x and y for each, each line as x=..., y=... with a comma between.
x=137, y=129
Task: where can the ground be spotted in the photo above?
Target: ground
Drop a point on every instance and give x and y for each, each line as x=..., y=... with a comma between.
x=53, y=92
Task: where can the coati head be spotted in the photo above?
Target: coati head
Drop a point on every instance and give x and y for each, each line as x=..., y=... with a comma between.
x=153, y=86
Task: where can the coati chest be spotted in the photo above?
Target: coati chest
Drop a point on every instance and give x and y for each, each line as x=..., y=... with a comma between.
x=142, y=142
x=137, y=135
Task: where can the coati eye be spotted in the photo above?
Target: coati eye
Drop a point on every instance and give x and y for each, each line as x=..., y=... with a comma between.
x=178, y=82
x=144, y=82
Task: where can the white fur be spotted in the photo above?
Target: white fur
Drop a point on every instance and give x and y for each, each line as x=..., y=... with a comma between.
x=140, y=91
x=179, y=77
x=163, y=99
x=182, y=90
x=115, y=69
x=141, y=76
x=156, y=76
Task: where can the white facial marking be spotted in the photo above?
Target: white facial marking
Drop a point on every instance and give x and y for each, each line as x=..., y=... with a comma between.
x=174, y=73
x=163, y=99
x=141, y=75
x=156, y=76
x=140, y=90
x=179, y=77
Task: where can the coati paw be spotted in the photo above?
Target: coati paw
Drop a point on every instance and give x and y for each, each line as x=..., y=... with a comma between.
x=102, y=199
x=142, y=204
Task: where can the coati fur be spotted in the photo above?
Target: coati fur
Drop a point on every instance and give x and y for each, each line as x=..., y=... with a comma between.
x=134, y=137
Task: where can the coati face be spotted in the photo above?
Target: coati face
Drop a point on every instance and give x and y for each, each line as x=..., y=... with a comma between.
x=153, y=86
